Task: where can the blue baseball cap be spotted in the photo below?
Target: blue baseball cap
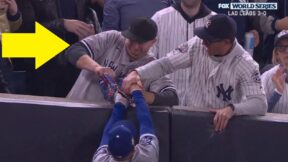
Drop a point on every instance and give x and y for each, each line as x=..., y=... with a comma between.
x=121, y=139
x=218, y=27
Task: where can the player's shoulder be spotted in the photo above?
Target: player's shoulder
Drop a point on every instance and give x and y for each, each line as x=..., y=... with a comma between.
x=102, y=154
x=106, y=35
x=148, y=139
x=113, y=33
x=147, y=149
x=164, y=12
x=243, y=60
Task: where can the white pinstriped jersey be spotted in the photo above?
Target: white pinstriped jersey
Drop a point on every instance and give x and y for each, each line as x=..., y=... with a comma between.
x=108, y=49
x=215, y=81
x=175, y=28
x=282, y=105
x=146, y=151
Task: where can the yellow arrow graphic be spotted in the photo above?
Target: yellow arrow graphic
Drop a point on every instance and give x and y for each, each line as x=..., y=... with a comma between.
x=42, y=45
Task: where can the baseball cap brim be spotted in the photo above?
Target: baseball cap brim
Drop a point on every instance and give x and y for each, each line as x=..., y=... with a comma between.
x=202, y=33
x=285, y=36
x=127, y=34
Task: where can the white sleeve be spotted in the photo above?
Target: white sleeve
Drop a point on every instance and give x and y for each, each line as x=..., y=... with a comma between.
x=154, y=50
x=251, y=88
x=102, y=154
x=148, y=148
x=179, y=58
x=267, y=82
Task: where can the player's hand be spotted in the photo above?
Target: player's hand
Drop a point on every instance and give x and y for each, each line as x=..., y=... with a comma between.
x=81, y=29
x=222, y=117
x=129, y=80
x=12, y=6
x=120, y=99
x=279, y=79
x=100, y=71
x=256, y=37
x=282, y=24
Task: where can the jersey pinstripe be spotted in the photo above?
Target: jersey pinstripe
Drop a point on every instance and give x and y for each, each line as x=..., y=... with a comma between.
x=146, y=150
x=282, y=105
x=215, y=82
x=173, y=30
x=108, y=49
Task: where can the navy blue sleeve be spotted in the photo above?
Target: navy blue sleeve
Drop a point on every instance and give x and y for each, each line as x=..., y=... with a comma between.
x=118, y=113
x=13, y=17
x=111, y=16
x=274, y=98
x=143, y=114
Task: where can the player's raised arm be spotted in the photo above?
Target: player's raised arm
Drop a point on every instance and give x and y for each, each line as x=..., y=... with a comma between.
x=142, y=111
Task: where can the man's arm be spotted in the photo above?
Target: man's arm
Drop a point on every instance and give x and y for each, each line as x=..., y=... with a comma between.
x=81, y=56
x=179, y=58
x=254, y=105
x=167, y=97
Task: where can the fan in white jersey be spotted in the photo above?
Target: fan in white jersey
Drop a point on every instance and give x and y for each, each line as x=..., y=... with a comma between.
x=117, y=53
x=276, y=79
x=117, y=143
x=176, y=25
x=225, y=79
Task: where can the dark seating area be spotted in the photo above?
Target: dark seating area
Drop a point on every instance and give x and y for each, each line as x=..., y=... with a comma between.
x=43, y=129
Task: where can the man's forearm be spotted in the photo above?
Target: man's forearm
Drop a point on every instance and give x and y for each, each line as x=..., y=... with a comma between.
x=254, y=105
x=77, y=55
x=168, y=97
x=87, y=63
x=149, y=97
x=159, y=67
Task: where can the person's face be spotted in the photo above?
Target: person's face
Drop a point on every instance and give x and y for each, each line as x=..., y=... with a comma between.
x=138, y=50
x=190, y=3
x=282, y=52
x=215, y=47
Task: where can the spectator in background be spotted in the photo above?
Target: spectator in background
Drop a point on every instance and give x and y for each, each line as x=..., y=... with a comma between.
x=244, y=23
x=10, y=17
x=118, y=14
x=275, y=80
x=118, y=140
x=10, y=21
x=98, y=5
x=257, y=25
x=176, y=25
x=71, y=21
x=273, y=23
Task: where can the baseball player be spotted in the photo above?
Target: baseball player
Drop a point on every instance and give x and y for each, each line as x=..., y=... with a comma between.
x=117, y=143
x=115, y=54
x=176, y=25
x=275, y=80
x=225, y=79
